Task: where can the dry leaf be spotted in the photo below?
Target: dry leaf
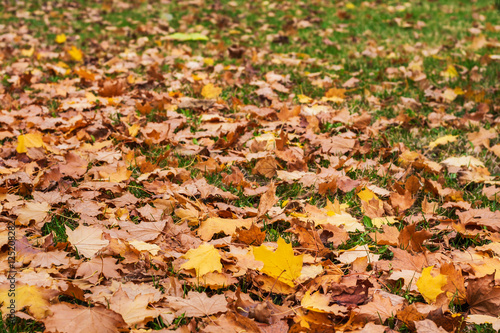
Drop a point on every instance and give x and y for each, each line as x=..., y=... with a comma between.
x=203, y=260
x=281, y=264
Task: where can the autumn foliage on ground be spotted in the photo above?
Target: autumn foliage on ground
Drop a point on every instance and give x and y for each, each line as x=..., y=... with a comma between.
x=250, y=166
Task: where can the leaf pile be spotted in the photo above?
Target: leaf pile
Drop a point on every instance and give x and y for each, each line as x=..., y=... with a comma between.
x=169, y=174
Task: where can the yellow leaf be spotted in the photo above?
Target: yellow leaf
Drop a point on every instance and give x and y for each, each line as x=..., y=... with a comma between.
x=134, y=130
x=304, y=99
x=450, y=72
x=281, y=264
x=366, y=195
x=75, y=54
x=31, y=140
x=208, y=61
x=430, y=286
x=214, y=225
x=60, y=38
x=443, y=140
x=203, y=260
x=32, y=297
x=210, y=91
x=116, y=176
x=318, y=302
x=28, y=53
x=143, y=246
x=379, y=221
x=350, y=5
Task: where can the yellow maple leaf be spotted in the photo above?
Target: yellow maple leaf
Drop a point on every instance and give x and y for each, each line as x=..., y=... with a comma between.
x=61, y=38
x=203, y=260
x=450, y=72
x=304, y=99
x=210, y=91
x=318, y=302
x=32, y=297
x=367, y=195
x=430, y=286
x=28, y=53
x=281, y=264
x=208, y=61
x=31, y=140
x=75, y=53
x=134, y=130
x=443, y=140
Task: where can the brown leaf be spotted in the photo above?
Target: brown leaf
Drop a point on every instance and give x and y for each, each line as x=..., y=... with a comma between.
x=253, y=236
x=73, y=318
x=402, y=202
x=428, y=326
x=412, y=240
x=197, y=304
x=266, y=167
x=483, y=296
x=454, y=288
x=388, y=236
x=267, y=200
x=377, y=310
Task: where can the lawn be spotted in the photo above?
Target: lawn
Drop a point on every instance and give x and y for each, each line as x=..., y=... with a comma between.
x=256, y=166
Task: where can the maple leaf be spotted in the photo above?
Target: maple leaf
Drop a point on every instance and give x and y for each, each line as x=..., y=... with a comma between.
x=203, y=260
x=47, y=259
x=252, y=236
x=266, y=167
x=34, y=298
x=378, y=310
x=86, y=240
x=75, y=53
x=267, y=200
x=197, y=304
x=133, y=311
x=73, y=318
x=431, y=286
x=356, y=252
x=483, y=296
x=61, y=38
x=210, y=91
x=32, y=211
x=214, y=225
x=280, y=264
x=31, y=140
x=319, y=302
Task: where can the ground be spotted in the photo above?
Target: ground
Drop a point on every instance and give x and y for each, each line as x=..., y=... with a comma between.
x=258, y=166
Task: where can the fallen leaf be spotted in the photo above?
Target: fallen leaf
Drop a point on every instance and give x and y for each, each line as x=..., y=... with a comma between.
x=75, y=53
x=32, y=211
x=267, y=200
x=31, y=140
x=197, y=304
x=431, y=286
x=73, y=318
x=61, y=38
x=483, y=296
x=210, y=91
x=281, y=264
x=86, y=240
x=319, y=303
x=203, y=260
x=34, y=298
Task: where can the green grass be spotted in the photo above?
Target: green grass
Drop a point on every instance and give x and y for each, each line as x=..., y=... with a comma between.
x=20, y=325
